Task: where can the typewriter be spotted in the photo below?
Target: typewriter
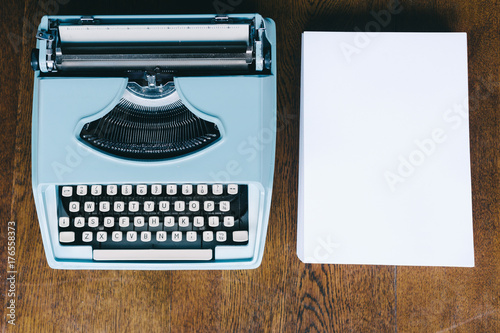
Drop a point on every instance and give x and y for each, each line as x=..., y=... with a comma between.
x=153, y=140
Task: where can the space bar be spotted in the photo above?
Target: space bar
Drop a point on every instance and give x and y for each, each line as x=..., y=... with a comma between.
x=150, y=255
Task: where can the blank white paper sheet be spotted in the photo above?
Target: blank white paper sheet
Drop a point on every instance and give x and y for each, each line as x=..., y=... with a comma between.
x=384, y=150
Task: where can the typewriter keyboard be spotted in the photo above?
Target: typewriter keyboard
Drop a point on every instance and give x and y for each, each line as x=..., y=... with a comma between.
x=154, y=222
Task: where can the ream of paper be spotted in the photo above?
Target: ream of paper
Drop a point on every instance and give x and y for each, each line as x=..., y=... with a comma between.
x=384, y=150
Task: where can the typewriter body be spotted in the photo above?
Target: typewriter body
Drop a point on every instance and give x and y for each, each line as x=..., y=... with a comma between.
x=153, y=140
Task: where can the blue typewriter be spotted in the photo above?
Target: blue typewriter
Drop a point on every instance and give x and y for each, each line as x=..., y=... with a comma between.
x=153, y=140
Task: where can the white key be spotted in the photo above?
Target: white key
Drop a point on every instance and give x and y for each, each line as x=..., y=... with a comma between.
x=139, y=221
x=232, y=189
x=149, y=206
x=74, y=206
x=111, y=190
x=217, y=189
x=67, y=191
x=119, y=206
x=228, y=221
x=198, y=221
x=89, y=206
x=145, y=236
x=81, y=190
x=102, y=236
x=117, y=236
x=104, y=206
x=164, y=206
x=224, y=206
x=202, y=189
x=183, y=221
x=208, y=236
x=87, y=236
x=109, y=221
x=171, y=189
x=124, y=221
x=208, y=206
x=96, y=190
x=176, y=236
x=126, y=189
x=133, y=206
x=161, y=236
x=67, y=237
x=64, y=222
x=240, y=236
x=191, y=236
x=156, y=189
x=154, y=221
x=79, y=222
x=169, y=221
x=194, y=206
x=131, y=236
x=213, y=221
x=152, y=254
x=187, y=189
x=221, y=236
x=93, y=221
x=142, y=189
x=179, y=206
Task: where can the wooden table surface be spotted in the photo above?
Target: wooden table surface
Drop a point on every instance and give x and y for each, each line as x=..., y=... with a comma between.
x=283, y=294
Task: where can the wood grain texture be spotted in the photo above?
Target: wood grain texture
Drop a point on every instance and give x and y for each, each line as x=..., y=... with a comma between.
x=283, y=294
x=459, y=299
x=8, y=110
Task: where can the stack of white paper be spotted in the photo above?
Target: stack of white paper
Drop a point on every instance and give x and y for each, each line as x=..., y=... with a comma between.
x=384, y=150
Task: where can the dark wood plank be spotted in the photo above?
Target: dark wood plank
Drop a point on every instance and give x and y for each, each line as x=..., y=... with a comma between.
x=321, y=297
x=12, y=13
x=347, y=299
x=196, y=301
x=466, y=299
